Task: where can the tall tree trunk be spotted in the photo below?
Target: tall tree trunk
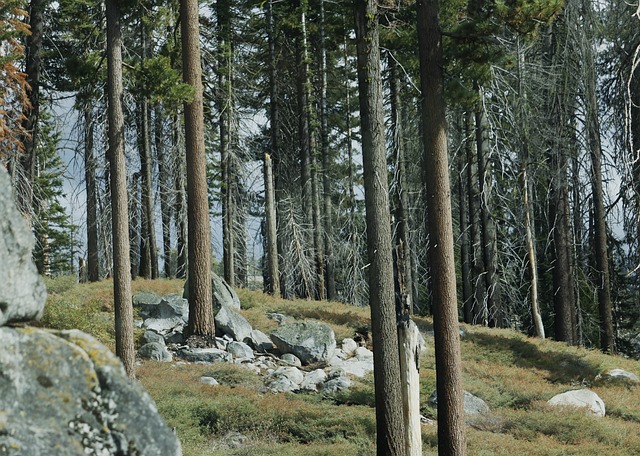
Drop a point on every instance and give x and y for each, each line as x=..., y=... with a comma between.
x=304, y=116
x=273, y=270
x=135, y=226
x=401, y=192
x=318, y=243
x=326, y=164
x=164, y=185
x=531, y=245
x=478, y=302
x=225, y=102
x=200, y=294
x=274, y=126
x=451, y=433
x=465, y=247
x=605, y=307
x=90, y=188
x=529, y=219
x=563, y=296
x=561, y=98
x=391, y=438
x=119, y=205
x=353, y=234
x=489, y=241
x=27, y=161
x=182, y=232
x=148, y=247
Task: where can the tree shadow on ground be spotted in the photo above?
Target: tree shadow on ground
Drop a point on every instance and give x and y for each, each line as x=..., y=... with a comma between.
x=563, y=365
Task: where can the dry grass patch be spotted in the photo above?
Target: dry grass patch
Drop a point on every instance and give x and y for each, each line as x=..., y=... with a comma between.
x=204, y=415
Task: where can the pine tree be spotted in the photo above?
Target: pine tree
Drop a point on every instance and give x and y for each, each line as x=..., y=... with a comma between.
x=54, y=231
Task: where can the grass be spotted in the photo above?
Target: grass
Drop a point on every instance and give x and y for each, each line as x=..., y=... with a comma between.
x=514, y=374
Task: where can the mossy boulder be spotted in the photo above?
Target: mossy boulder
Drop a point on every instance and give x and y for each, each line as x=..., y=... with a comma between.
x=64, y=393
x=310, y=341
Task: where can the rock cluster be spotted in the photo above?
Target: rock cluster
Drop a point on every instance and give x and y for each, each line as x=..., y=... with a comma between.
x=62, y=392
x=283, y=358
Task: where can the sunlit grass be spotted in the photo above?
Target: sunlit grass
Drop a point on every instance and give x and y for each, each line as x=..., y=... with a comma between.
x=514, y=374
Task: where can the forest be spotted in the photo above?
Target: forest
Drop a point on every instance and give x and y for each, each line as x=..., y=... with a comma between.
x=474, y=160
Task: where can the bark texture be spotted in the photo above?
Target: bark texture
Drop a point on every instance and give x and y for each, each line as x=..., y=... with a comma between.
x=451, y=433
x=199, y=266
x=119, y=204
x=391, y=438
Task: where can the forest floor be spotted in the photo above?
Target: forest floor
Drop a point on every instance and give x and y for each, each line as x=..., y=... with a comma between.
x=514, y=374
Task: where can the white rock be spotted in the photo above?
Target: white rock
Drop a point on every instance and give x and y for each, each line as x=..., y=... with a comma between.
x=622, y=374
x=163, y=325
x=336, y=384
x=291, y=359
x=364, y=354
x=208, y=381
x=349, y=346
x=313, y=380
x=583, y=398
x=358, y=368
x=292, y=373
x=240, y=350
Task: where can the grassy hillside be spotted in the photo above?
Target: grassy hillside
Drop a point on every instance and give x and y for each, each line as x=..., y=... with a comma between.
x=514, y=374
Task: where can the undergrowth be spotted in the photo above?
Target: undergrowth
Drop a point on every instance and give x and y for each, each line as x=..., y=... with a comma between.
x=514, y=374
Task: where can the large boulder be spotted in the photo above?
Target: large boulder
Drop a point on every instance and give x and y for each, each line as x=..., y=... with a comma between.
x=583, y=398
x=146, y=303
x=223, y=294
x=310, y=341
x=156, y=351
x=161, y=307
x=63, y=393
x=205, y=355
x=473, y=405
x=22, y=294
x=233, y=324
x=622, y=375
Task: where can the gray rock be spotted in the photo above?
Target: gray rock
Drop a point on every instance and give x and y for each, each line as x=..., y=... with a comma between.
x=173, y=306
x=261, y=342
x=314, y=380
x=291, y=359
x=22, y=294
x=310, y=341
x=340, y=354
x=152, y=336
x=233, y=440
x=336, y=372
x=208, y=381
x=583, y=398
x=233, y=324
x=146, y=303
x=364, y=354
x=473, y=405
x=292, y=373
x=155, y=351
x=223, y=294
x=176, y=336
x=285, y=379
x=336, y=384
x=277, y=317
x=240, y=350
x=349, y=346
x=621, y=374
x=357, y=368
x=205, y=355
x=282, y=385
x=163, y=325
x=63, y=390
